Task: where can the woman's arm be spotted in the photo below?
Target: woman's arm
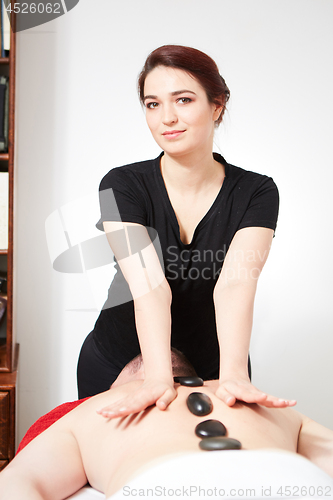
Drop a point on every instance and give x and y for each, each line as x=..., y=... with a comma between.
x=234, y=296
x=151, y=294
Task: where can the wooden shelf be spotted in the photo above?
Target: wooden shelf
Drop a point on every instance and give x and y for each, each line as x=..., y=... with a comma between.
x=8, y=346
x=2, y=353
x=3, y=369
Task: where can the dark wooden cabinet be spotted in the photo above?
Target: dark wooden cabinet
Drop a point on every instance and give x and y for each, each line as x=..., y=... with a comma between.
x=4, y=421
x=7, y=417
x=8, y=346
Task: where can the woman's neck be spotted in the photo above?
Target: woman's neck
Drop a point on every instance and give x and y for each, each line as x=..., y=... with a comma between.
x=191, y=174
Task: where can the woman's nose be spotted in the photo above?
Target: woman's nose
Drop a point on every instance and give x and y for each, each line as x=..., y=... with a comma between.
x=169, y=115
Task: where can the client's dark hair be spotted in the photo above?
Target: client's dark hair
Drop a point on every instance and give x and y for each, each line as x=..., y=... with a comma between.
x=181, y=367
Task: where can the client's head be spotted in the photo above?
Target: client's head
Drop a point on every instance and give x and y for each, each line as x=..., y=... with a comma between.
x=134, y=370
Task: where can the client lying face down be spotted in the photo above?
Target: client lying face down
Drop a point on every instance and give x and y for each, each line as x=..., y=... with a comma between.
x=83, y=446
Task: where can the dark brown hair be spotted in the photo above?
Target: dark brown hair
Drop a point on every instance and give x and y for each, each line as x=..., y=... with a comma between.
x=196, y=63
x=181, y=367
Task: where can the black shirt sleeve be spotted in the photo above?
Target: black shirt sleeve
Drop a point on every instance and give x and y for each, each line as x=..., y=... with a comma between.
x=121, y=198
x=263, y=207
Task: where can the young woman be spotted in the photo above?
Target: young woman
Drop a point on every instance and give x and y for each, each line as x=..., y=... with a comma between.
x=214, y=224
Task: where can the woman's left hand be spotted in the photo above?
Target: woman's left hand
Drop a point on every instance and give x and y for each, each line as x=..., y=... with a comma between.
x=232, y=389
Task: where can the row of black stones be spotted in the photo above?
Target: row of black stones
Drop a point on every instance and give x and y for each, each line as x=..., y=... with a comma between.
x=211, y=431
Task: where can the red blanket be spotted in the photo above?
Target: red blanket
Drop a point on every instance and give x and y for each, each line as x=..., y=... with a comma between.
x=47, y=420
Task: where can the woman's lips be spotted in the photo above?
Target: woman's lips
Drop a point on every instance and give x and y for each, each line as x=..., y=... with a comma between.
x=172, y=134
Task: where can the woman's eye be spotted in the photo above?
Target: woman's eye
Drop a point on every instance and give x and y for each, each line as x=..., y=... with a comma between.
x=184, y=100
x=151, y=105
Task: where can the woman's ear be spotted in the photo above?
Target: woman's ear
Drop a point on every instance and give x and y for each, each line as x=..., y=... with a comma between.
x=218, y=110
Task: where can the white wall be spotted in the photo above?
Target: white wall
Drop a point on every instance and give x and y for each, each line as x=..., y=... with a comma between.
x=79, y=116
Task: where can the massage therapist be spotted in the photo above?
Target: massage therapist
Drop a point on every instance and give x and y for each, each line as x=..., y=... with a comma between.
x=213, y=224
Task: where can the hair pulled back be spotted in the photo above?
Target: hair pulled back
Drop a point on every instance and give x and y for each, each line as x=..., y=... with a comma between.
x=196, y=63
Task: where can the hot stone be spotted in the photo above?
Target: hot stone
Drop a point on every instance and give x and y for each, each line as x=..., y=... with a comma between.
x=219, y=443
x=189, y=381
x=210, y=428
x=199, y=404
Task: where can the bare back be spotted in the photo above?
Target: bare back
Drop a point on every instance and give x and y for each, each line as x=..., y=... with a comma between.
x=113, y=450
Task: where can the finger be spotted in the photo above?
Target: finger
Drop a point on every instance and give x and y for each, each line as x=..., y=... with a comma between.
x=114, y=412
x=225, y=396
x=259, y=397
x=163, y=402
x=125, y=407
x=111, y=409
x=269, y=400
x=250, y=395
x=247, y=393
x=123, y=411
x=284, y=403
x=273, y=402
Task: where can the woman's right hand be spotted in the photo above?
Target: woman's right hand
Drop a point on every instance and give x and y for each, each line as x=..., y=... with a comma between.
x=151, y=392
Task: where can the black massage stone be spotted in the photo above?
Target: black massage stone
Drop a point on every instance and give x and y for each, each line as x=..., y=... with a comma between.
x=189, y=381
x=219, y=443
x=210, y=428
x=199, y=404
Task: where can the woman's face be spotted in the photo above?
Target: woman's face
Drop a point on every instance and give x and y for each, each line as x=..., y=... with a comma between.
x=178, y=113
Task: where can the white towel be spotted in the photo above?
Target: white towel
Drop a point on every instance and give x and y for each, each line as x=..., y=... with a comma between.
x=232, y=474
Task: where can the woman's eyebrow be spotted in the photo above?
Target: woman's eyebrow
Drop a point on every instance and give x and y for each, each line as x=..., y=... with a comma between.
x=176, y=92
x=150, y=97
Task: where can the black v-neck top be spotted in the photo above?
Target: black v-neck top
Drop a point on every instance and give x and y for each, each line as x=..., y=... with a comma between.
x=137, y=193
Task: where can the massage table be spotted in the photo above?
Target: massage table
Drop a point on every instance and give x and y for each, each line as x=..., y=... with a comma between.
x=265, y=473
